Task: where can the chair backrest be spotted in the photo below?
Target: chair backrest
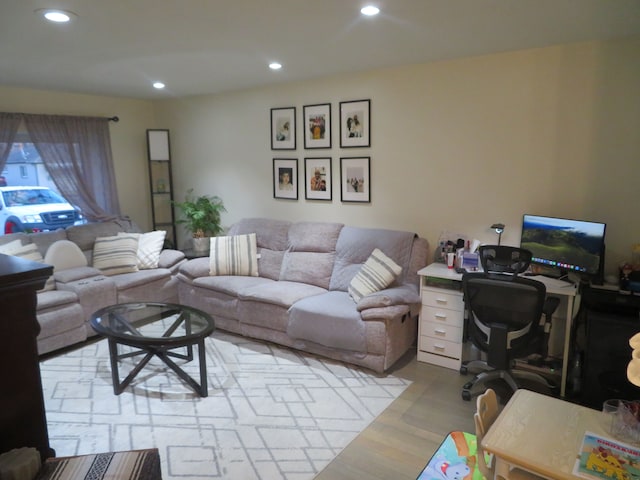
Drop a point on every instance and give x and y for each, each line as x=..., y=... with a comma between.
x=486, y=413
x=504, y=259
x=504, y=310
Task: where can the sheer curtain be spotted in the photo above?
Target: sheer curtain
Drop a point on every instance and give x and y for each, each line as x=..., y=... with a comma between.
x=9, y=123
x=76, y=152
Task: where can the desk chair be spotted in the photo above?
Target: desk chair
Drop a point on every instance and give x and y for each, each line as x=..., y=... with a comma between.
x=505, y=318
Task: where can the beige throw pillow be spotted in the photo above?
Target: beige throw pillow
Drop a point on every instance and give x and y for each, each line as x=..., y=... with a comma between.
x=377, y=273
x=116, y=254
x=234, y=255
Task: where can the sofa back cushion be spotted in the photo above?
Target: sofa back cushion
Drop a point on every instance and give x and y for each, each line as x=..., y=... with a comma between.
x=85, y=235
x=311, y=253
x=271, y=241
x=356, y=244
x=45, y=239
x=13, y=240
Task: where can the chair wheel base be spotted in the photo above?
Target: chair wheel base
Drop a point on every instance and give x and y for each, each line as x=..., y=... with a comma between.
x=464, y=370
x=466, y=391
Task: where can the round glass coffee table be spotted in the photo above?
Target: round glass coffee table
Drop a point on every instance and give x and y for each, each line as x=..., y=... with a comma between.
x=155, y=329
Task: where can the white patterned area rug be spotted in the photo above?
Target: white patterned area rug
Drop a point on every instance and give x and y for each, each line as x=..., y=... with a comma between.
x=271, y=413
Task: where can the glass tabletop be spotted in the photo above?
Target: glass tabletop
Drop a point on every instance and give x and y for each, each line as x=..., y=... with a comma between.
x=158, y=323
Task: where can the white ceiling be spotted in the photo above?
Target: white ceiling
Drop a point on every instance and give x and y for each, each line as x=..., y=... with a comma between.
x=119, y=47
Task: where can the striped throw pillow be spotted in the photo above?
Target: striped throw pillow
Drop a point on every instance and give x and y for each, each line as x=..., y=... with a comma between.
x=378, y=272
x=117, y=254
x=234, y=255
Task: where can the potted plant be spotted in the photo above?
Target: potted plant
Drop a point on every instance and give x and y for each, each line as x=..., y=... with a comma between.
x=201, y=217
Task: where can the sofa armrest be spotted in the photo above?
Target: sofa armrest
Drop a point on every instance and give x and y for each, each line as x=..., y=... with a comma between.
x=402, y=295
x=169, y=258
x=77, y=273
x=385, y=313
x=194, y=268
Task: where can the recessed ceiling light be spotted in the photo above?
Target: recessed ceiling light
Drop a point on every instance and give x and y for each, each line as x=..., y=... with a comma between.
x=370, y=10
x=57, y=16
x=275, y=66
x=158, y=85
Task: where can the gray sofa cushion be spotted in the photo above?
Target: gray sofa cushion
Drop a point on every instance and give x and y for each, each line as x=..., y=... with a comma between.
x=85, y=235
x=311, y=253
x=330, y=319
x=230, y=285
x=356, y=244
x=280, y=293
x=271, y=239
x=45, y=239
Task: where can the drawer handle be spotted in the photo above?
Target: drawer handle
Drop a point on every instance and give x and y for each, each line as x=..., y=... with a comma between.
x=441, y=316
x=440, y=332
x=439, y=347
x=441, y=300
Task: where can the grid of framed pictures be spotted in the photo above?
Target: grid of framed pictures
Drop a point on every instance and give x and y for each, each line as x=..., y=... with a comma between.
x=355, y=132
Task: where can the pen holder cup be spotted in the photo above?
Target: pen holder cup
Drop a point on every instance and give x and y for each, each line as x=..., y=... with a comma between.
x=622, y=419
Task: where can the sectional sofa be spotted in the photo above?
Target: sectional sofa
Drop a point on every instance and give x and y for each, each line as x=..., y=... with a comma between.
x=342, y=292
x=78, y=289
x=303, y=292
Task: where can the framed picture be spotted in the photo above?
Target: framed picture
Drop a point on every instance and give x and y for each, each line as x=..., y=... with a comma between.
x=283, y=128
x=317, y=174
x=317, y=126
x=285, y=178
x=355, y=120
x=355, y=179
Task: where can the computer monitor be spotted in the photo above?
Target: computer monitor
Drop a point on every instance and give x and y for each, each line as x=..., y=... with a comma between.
x=561, y=245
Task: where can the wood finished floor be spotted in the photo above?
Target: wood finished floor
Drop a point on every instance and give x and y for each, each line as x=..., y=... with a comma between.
x=398, y=444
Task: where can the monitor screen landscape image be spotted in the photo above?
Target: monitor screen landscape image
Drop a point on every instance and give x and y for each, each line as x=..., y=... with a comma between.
x=564, y=244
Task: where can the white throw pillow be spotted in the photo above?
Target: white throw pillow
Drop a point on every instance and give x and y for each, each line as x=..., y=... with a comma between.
x=116, y=254
x=378, y=272
x=64, y=254
x=149, y=248
x=234, y=255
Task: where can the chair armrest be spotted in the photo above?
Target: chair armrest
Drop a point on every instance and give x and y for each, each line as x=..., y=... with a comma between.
x=77, y=273
x=169, y=258
x=194, y=268
x=402, y=295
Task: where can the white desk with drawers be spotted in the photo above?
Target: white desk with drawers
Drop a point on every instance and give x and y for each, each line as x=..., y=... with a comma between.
x=441, y=324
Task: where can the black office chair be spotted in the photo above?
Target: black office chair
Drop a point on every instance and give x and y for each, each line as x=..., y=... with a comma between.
x=505, y=318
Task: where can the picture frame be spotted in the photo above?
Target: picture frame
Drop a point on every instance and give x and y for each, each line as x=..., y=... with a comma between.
x=285, y=178
x=317, y=174
x=317, y=125
x=355, y=124
x=355, y=179
x=283, y=128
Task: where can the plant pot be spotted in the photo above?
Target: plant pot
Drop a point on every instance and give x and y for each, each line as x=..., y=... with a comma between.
x=201, y=244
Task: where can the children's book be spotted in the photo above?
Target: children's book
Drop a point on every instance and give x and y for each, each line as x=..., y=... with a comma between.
x=602, y=458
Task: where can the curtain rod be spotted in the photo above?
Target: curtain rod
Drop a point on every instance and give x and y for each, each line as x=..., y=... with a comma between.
x=114, y=119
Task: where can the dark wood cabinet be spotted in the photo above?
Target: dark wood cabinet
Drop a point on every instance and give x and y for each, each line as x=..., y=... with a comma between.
x=23, y=420
x=612, y=318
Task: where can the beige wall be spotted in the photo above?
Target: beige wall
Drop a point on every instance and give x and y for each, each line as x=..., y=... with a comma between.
x=128, y=140
x=456, y=145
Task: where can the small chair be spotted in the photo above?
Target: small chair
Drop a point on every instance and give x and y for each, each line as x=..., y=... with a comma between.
x=505, y=318
x=486, y=413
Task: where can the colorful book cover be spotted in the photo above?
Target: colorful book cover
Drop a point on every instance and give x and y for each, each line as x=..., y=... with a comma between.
x=602, y=458
x=455, y=459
